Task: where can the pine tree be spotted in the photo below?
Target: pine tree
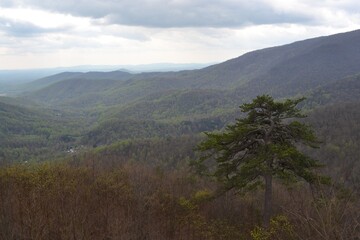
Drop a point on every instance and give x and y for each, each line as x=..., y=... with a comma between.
x=259, y=147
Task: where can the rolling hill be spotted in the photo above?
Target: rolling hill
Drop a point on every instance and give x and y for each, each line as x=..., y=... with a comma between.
x=33, y=133
x=282, y=71
x=118, y=106
x=175, y=105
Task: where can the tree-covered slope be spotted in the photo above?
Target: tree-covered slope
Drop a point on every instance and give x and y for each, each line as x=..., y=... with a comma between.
x=113, y=130
x=33, y=133
x=177, y=105
x=123, y=106
x=281, y=71
x=16, y=120
x=341, y=91
x=75, y=93
x=338, y=127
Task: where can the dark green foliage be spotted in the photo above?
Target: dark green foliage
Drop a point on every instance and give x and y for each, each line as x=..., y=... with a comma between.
x=259, y=144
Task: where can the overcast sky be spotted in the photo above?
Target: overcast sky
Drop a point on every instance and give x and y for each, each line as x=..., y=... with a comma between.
x=51, y=33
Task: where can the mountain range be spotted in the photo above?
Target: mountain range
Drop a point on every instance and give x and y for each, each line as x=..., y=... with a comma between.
x=101, y=108
x=111, y=155
x=283, y=71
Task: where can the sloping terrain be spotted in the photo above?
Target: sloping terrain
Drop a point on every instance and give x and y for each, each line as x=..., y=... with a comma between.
x=32, y=133
x=119, y=106
x=341, y=91
x=282, y=71
x=338, y=128
x=47, y=81
x=76, y=93
x=175, y=105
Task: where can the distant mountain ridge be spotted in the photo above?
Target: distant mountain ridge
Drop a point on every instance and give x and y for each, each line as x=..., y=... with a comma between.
x=47, y=81
x=27, y=75
x=100, y=108
x=283, y=71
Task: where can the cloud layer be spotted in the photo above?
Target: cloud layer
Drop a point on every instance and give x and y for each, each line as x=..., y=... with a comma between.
x=173, y=13
x=25, y=29
x=39, y=33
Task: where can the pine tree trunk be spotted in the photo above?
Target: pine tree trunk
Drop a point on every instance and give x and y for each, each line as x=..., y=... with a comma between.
x=267, y=200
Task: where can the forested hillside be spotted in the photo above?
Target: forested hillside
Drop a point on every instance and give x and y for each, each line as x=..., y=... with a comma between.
x=339, y=130
x=106, y=155
x=280, y=71
x=87, y=110
x=30, y=134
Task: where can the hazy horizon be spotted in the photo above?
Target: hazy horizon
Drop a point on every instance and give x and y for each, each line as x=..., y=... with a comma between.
x=42, y=34
x=115, y=67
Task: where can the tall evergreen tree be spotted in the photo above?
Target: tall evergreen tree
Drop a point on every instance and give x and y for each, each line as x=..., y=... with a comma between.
x=261, y=146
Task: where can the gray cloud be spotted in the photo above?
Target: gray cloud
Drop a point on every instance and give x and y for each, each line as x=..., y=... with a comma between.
x=172, y=13
x=25, y=29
